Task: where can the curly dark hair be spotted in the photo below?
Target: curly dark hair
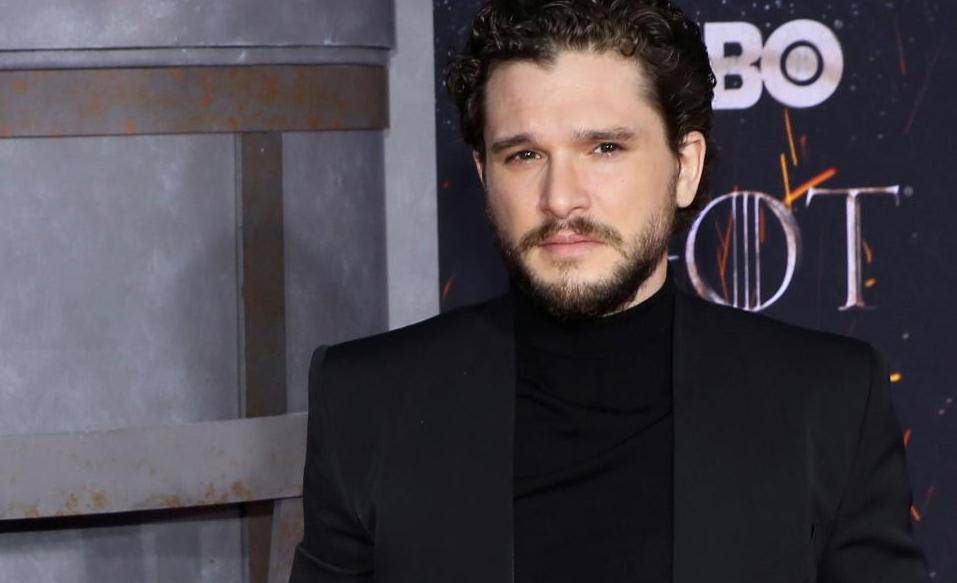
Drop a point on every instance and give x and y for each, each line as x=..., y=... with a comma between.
x=655, y=33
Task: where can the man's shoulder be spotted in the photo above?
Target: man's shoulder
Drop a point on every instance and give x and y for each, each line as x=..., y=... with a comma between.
x=364, y=380
x=823, y=377
x=449, y=332
x=760, y=335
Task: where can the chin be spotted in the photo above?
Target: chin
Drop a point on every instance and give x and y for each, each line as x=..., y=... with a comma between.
x=569, y=281
x=571, y=272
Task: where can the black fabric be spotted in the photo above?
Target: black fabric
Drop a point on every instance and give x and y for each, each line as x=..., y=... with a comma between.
x=593, y=445
x=789, y=465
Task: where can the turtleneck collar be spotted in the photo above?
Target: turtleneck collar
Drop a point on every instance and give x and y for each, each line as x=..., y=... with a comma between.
x=605, y=337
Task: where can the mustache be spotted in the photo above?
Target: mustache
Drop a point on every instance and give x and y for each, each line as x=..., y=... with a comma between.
x=578, y=225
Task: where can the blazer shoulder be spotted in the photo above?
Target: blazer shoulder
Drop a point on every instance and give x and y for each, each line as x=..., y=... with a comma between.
x=824, y=381
x=364, y=378
x=358, y=388
x=762, y=335
x=423, y=342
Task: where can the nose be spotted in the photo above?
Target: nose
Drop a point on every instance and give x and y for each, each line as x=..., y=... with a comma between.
x=563, y=193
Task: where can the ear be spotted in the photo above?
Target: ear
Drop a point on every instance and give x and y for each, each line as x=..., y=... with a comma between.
x=691, y=162
x=479, y=161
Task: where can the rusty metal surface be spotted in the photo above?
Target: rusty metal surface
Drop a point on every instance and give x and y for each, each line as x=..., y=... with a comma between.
x=411, y=200
x=287, y=528
x=118, y=293
x=263, y=273
x=118, y=303
x=96, y=24
x=335, y=250
x=263, y=293
x=89, y=102
x=193, y=56
x=121, y=470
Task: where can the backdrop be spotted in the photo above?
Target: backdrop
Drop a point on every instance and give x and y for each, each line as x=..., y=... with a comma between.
x=832, y=199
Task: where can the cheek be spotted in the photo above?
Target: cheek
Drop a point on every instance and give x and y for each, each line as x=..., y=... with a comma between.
x=627, y=196
x=512, y=213
x=619, y=200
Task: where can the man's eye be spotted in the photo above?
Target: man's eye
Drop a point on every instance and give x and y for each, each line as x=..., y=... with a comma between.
x=524, y=155
x=607, y=148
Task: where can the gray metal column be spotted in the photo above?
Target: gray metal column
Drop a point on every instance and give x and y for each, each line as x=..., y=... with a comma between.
x=121, y=261
x=411, y=205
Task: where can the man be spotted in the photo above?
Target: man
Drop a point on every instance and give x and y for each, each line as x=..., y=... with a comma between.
x=596, y=424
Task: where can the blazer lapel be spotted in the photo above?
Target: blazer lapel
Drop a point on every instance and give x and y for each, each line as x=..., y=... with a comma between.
x=732, y=508
x=737, y=477
x=453, y=520
x=699, y=477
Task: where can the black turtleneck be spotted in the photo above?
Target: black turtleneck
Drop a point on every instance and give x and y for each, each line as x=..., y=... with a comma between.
x=593, y=445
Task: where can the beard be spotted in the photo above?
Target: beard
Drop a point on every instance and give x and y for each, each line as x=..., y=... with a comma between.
x=568, y=300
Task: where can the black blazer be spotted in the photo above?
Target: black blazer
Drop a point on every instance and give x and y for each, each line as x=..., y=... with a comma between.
x=788, y=460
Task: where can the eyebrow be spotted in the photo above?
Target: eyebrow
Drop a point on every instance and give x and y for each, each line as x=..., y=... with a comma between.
x=510, y=142
x=616, y=134
x=619, y=134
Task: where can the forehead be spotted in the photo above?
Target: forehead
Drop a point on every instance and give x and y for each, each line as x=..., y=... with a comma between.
x=576, y=89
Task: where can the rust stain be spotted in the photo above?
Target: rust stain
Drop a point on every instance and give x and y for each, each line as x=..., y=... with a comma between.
x=72, y=503
x=299, y=91
x=172, y=501
x=270, y=89
x=32, y=511
x=278, y=121
x=99, y=500
x=239, y=489
x=208, y=86
x=290, y=530
x=19, y=86
x=212, y=496
x=93, y=107
x=255, y=97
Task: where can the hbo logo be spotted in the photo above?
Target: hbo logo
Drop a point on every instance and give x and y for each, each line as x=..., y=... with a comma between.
x=800, y=64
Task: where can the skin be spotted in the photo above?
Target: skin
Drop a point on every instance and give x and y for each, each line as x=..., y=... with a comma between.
x=580, y=137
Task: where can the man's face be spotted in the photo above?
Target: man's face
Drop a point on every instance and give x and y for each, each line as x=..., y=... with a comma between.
x=581, y=183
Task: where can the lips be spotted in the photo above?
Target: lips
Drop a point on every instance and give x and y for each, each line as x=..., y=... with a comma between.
x=569, y=239
x=569, y=246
